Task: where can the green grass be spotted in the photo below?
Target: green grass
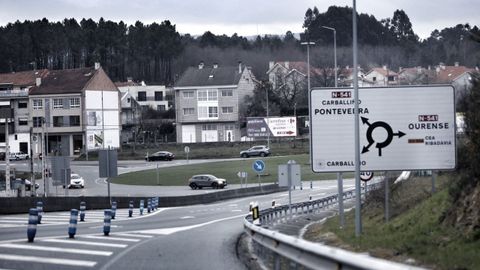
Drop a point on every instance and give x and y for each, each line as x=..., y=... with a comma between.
x=418, y=233
x=178, y=175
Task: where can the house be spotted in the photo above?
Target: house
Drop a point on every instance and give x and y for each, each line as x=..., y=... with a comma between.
x=460, y=77
x=416, y=76
x=156, y=97
x=345, y=77
x=382, y=76
x=208, y=101
x=76, y=109
x=130, y=115
x=288, y=74
x=14, y=107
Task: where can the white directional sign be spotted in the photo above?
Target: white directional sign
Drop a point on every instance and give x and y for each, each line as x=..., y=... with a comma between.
x=401, y=128
x=275, y=126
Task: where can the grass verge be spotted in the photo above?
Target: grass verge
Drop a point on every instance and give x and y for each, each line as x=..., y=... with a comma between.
x=179, y=175
x=416, y=233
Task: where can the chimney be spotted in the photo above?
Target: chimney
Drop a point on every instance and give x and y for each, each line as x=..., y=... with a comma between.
x=400, y=69
x=429, y=67
x=385, y=67
x=215, y=65
x=457, y=64
x=437, y=69
x=38, y=81
x=143, y=83
x=271, y=64
x=419, y=69
x=239, y=66
x=129, y=79
x=97, y=65
x=347, y=67
x=476, y=68
x=200, y=66
x=287, y=65
x=442, y=65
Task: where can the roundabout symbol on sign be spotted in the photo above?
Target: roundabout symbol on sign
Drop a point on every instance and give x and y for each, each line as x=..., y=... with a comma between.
x=383, y=144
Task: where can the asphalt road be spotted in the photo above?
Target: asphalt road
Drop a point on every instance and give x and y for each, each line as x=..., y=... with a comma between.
x=191, y=237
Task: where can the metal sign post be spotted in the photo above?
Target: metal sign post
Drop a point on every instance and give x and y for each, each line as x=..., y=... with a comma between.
x=187, y=150
x=289, y=175
x=107, y=162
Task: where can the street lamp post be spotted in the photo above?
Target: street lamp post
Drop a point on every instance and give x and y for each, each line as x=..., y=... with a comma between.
x=268, y=120
x=339, y=174
x=308, y=43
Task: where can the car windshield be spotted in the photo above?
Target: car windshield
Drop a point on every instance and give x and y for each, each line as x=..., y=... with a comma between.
x=75, y=176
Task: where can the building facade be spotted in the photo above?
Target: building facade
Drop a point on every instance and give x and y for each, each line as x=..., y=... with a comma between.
x=208, y=102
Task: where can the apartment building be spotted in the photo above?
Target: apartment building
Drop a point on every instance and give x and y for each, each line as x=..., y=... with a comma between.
x=208, y=102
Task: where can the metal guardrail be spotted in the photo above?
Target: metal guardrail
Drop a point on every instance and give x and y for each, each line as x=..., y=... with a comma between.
x=307, y=254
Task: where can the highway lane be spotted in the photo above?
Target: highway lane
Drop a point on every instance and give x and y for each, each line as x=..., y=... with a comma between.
x=190, y=237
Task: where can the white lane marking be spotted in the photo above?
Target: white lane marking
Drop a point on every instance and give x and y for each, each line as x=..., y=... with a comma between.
x=167, y=231
x=33, y=259
x=14, y=221
x=66, y=250
x=133, y=235
x=84, y=243
x=283, y=195
x=109, y=238
x=187, y=217
x=111, y=226
x=237, y=210
x=232, y=205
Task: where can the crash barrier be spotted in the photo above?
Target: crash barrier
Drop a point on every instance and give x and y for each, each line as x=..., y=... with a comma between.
x=22, y=205
x=280, y=251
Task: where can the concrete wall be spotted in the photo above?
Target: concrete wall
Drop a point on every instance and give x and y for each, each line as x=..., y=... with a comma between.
x=21, y=205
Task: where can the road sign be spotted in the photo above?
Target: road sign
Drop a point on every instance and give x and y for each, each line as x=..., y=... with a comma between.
x=295, y=175
x=186, y=149
x=107, y=163
x=402, y=128
x=276, y=126
x=258, y=166
x=242, y=174
x=365, y=176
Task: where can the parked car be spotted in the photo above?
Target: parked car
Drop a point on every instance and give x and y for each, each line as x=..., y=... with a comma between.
x=17, y=156
x=160, y=155
x=76, y=181
x=206, y=180
x=28, y=185
x=258, y=150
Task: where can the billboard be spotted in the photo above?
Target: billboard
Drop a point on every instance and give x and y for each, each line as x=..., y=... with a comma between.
x=275, y=126
x=401, y=128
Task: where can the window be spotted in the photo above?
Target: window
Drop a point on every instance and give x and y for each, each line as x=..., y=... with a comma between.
x=227, y=110
x=37, y=121
x=188, y=111
x=391, y=78
x=58, y=121
x=74, y=120
x=229, y=127
x=23, y=121
x=227, y=93
x=161, y=108
x=37, y=104
x=158, y=96
x=188, y=94
x=128, y=100
x=142, y=96
x=209, y=127
x=208, y=95
x=22, y=105
x=75, y=102
x=58, y=103
x=374, y=79
x=207, y=112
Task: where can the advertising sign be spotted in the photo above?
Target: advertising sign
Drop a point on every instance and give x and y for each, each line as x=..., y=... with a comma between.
x=401, y=128
x=276, y=126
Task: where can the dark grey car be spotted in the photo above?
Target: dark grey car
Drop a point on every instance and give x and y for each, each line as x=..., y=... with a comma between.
x=206, y=180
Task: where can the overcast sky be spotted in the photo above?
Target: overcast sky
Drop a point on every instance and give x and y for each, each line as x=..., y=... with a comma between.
x=246, y=17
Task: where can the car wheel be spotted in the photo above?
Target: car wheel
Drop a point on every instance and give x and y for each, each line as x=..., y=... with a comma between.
x=200, y=187
x=244, y=155
x=193, y=186
x=222, y=187
x=262, y=154
x=63, y=186
x=83, y=186
x=214, y=185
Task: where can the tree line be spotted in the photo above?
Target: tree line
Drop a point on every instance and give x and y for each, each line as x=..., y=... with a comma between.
x=158, y=54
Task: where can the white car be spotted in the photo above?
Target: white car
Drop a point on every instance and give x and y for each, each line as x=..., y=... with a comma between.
x=76, y=181
x=17, y=156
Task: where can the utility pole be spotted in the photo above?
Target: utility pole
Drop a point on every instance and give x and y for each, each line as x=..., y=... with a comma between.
x=7, y=160
x=33, y=189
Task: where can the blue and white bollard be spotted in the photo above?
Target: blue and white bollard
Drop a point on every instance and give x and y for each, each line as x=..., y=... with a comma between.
x=40, y=212
x=149, y=205
x=32, y=224
x=107, y=221
x=154, y=204
x=157, y=202
x=142, y=203
x=114, y=209
x=83, y=207
x=72, y=226
x=130, y=209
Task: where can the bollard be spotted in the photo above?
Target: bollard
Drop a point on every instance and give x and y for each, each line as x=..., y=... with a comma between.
x=311, y=184
x=83, y=207
x=310, y=198
x=157, y=202
x=301, y=185
x=114, y=209
x=32, y=224
x=130, y=209
x=149, y=205
x=72, y=226
x=153, y=204
x=106, y=222
x=40, y=212
x=273, y=203
x=141, y=207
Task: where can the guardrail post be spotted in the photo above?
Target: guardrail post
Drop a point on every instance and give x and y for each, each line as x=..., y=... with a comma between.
x=130, y=208
x=72, y=226
x=276, y=263
x=107, y=221
x=40, y=212
x=83, y=207
x=32, y=224
x=142, y=202
x=114, y=209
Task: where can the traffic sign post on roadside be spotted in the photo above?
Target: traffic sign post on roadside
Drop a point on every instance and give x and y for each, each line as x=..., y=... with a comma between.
x=289, y=175
x=186, y=149
x=258, y=166
x=243, y=178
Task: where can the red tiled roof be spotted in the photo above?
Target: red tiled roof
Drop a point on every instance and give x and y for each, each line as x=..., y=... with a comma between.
x=447, y=74
x=384, y=72
x=64, y=81
x=23, y=78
